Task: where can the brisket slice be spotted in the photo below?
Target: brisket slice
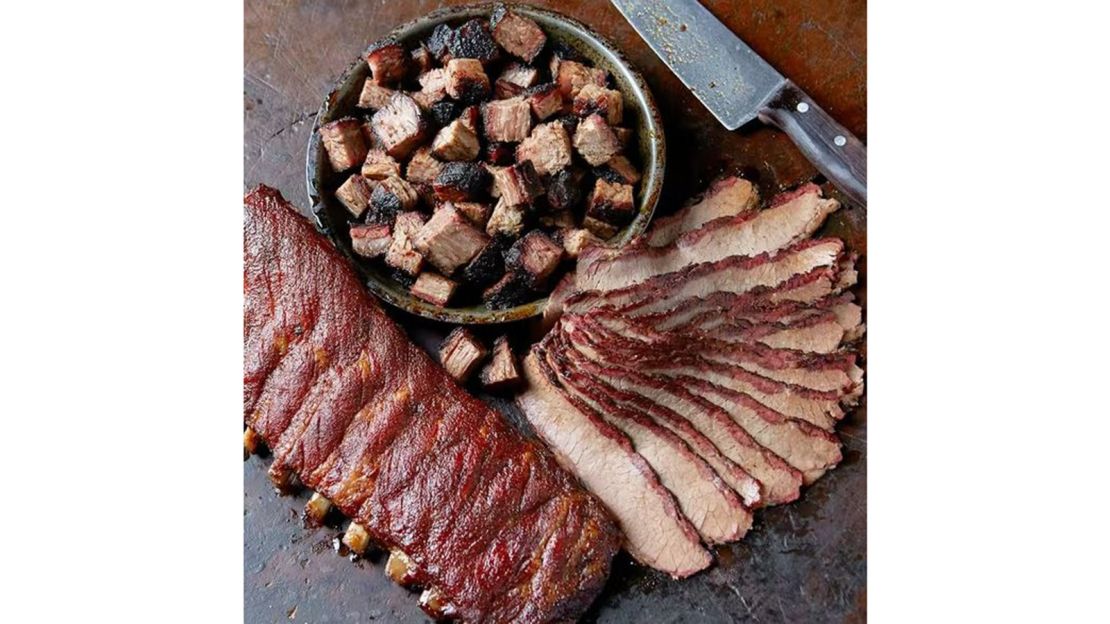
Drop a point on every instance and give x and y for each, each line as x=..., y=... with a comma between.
x=736, y=274
x=748, y=234
x=780, y=481
x=712, y=507
x=369, y=421
x=726, y=197
x=656, y=532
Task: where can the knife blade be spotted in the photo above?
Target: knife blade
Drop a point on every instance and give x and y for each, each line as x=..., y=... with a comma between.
x=738, y=86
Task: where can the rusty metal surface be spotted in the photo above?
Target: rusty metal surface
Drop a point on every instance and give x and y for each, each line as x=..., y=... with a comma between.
x=805, y=562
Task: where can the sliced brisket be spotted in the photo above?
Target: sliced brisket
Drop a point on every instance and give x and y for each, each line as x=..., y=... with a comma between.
x=725, y=197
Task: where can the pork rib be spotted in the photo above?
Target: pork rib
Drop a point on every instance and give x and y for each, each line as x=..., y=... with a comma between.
x=487, y=518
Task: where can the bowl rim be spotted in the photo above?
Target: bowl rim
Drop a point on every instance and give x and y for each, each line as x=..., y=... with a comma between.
x=650, y=191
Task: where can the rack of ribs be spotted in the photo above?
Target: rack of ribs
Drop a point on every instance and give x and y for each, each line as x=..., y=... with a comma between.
x=480, y=516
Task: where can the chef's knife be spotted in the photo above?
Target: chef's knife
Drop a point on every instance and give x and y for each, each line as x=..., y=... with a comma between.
x=737, y=86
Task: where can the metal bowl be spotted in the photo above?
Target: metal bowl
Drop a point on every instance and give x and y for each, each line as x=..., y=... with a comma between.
x=640, y=109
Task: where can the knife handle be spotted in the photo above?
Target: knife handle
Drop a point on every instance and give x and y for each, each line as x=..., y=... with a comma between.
x=835, y=152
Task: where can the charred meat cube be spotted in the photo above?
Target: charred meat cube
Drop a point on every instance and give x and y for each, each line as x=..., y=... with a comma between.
x=520, y=74
x=619, y=169
x=433, y=88
x=518, y=35
x=355, y=194
x=471, y=116
x=557, y=220
x=374, y=96
x=473, y=40
x=400, y=126
x=595, y=99
x=545, y=100
x=461, y=181
x=535, y=256
x=571, y=76
x=511, y=290
x=461, y=354
x=456, y=141
x=421, y=59
x=611, y=202
x=380, y=165
x=501, y=372
x=423, y=167
x=449, y=240
x=401, y=255
x=595, y=141
x=564, y=188
x=466, y=80
x=371, y=241
x=599, y=228
x=477, y=212
x=494, y=171
x=443, y=112
x=548, y=148
x=433, y=288
x=489, y=265
x=507, y=120
x=518, y=185
x=577, y=239
x=391, y=196
x=501, y=154
x=388, y=61
x=344, y=143
x=503, y=90
x=506, y=220
x=439, y=42
x=569, y=122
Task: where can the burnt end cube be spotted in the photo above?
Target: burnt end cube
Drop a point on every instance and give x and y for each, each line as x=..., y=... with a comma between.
x=471, y=116
x=423, y=167
x=461, y=353
x=494, y=171
x=619, y=169
x=456, y=141
x=518, y=185
x=355, y=195
x=449, y=240
x=611, y=202
x=344, y=143
x=374, y=96
x=443, y=112
x=569, y=123
x=427, y=196
x=391, y=196
x=518, y=35
x=507, y=120
x=503, y=90
x=577, y=239
x=371, y=241
x=595, y=99
x=433, y=288
x=438, y=43
x=548, y=148
x=489, y=265
x=520, y=74
x=379, y=165
x=388, y=61
x=477, y=212
x=535, y=256
x=400, y=126
x=564, y=188
x=595, y=141
x=401, y=254
x=545, y=100
x=500, y=154
x=461, y=181
x=467, y=81
x=473, y=40
x=433, y=88
x=501, y=373
x=421, y=59
x=557, y=220
x=506, y=220
x=511, y=290
x=571, y=76
x=599, y=228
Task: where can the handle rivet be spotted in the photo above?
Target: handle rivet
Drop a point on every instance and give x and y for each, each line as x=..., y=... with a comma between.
x=840, y=141
x=802, y=107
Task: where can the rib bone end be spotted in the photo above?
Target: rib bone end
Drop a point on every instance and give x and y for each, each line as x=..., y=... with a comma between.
x=356, y=538
x=316, y=509
x=400, y=569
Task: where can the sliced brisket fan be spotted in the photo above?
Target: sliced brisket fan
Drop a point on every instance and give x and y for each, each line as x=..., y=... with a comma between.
x=368, y=420
x=725, y=197
x=791, y=218
x=656, y=532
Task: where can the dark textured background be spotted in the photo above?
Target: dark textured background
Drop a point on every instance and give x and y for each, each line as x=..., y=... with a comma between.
x=804, y=562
